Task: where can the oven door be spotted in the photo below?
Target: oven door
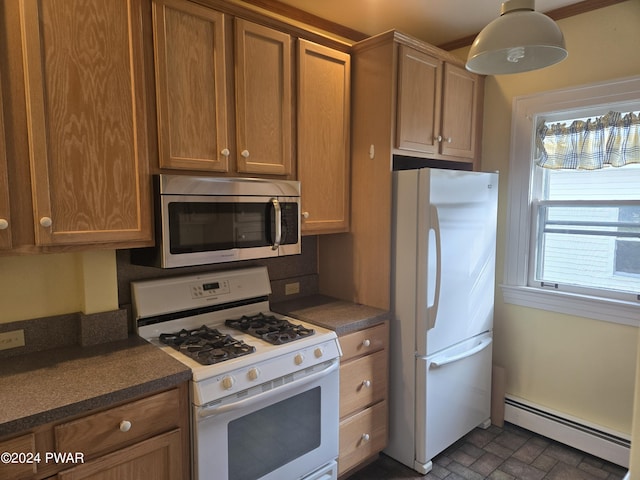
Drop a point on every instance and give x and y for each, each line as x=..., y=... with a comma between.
x=286, y=429
x=211, y=229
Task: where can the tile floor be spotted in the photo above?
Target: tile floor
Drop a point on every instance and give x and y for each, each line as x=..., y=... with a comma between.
x=501, y=454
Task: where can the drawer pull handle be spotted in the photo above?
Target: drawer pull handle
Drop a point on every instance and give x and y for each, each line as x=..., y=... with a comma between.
x=366, y=383
x=365, y=437
x=366, y=343
x=125, y=426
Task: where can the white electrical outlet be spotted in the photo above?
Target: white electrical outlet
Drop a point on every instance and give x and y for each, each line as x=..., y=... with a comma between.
x=291, y=288
x=12, y=339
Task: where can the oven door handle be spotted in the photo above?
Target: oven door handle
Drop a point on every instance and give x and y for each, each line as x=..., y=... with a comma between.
x=204, y=412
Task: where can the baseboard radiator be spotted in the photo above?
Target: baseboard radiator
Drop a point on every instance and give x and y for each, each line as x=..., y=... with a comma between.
x=598, y=441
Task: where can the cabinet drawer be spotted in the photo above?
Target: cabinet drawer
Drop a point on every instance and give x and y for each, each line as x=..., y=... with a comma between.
x=363, y=382
x=23, y=446
x=362, y=435
x=107, y=430
x=364, y=341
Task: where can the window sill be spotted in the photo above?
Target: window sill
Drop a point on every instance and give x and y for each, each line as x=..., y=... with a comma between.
x=615, y=311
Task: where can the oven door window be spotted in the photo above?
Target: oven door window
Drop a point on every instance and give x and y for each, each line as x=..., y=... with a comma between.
x=267, y=439
x=214, y=226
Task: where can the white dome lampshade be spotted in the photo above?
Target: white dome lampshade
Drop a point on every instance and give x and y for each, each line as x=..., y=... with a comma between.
x=520, y=40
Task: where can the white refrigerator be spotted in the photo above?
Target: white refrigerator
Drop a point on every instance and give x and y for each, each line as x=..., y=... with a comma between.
x=443, y=271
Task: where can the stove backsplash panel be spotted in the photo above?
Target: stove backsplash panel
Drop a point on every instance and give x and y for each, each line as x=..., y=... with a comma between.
x=291, y=273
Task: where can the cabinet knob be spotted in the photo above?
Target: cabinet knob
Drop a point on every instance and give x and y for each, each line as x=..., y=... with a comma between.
x=366, y=343
x=3, y=224
x=439, y=138
x=225, y=152
x=448, y=139
x=305, y=215
x=366, y=384
x=245, y=153
x=365, y=437
x=46, y=221
x=125, y=426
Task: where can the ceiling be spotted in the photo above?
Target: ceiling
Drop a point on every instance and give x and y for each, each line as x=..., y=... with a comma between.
x=438, y=22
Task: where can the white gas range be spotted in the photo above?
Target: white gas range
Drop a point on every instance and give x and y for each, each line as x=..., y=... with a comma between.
x=265, y=387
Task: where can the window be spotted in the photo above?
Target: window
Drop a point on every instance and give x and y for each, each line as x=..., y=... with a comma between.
x=573, y=235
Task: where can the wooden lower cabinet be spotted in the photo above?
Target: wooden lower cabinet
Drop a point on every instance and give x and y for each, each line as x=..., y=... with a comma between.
x=158, y=458
x=363, y=397
x=144, y=438
x=24, y=444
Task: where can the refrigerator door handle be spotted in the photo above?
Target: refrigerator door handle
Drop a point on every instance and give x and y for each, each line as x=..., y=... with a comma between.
x=432, y=311
x=441, y=362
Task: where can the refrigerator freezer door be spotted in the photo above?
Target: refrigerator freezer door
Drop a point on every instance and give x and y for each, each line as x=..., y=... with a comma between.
x=453, y=396
x=461, y=208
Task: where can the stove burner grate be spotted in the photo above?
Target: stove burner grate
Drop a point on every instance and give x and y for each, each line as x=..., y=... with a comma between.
x=270, y=328
x=206, y=345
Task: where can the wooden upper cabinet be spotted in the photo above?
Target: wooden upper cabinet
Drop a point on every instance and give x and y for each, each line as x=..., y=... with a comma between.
x=418, y=109
x=459, y=112
x=264, y=99
x=5, y=220
x=323, y=137
x=197, y=114
x=438, y=108
x=191, y=91
x=86, y=120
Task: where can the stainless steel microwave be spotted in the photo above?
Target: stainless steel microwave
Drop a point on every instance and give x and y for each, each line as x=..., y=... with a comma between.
x=203, y=220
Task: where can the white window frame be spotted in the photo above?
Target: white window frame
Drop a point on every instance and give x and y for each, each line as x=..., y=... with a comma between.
x=526, y=111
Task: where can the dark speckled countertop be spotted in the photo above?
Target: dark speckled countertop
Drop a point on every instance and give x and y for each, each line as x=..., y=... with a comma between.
x=339, y=315
x=52, y=385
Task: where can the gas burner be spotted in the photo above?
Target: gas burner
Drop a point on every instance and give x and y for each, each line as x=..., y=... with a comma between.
x=206, y=345
x=269, y=328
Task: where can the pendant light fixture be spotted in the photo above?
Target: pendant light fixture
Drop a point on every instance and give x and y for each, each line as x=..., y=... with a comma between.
x=519, y=40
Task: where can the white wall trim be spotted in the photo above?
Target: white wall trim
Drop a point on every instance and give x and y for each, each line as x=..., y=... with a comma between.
x=526, y=110
x=616, y=311
x=594, y=439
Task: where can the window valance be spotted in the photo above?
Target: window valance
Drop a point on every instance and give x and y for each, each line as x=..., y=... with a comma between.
x=612, y=139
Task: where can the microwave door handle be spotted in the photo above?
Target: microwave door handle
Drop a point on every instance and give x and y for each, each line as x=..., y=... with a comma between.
x=278, y=211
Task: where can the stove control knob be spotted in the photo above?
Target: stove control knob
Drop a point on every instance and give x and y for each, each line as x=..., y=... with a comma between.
x=298, y=359
x=318, y=352
x=227, y=382
x=253, y=374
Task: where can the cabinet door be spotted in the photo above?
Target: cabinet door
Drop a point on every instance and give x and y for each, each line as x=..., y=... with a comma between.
x=459, y=112
x=24, y=444
x=323, y=137
x=191, y=93
x=86, y=120
x=5, y=231
x=418, y=107
x=157, y=458
x=264, y=108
